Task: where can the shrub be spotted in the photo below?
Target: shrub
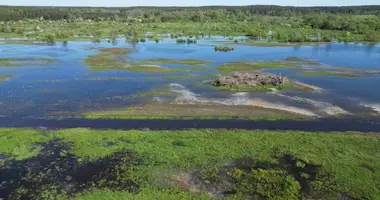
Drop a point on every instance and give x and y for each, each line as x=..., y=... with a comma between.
x=224, y=48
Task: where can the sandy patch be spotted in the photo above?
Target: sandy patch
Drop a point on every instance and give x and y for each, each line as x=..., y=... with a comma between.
x=188, y=97
x=375, y=107
x=324, y=107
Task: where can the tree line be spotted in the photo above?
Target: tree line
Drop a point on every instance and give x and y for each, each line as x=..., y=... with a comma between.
x=163, y=14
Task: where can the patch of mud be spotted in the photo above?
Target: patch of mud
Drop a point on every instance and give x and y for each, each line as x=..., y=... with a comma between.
x=188, y=97
x=244, y=177
x=56, y=171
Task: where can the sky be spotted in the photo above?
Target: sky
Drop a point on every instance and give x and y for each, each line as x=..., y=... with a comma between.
x=124, y=3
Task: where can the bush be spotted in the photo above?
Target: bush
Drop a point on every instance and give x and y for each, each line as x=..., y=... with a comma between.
x=224, y=48
x=190, y=41
x=20, y=31
x=64, y=34
x=49, y=38
x=269, y=184
x=7, y=29
x=181, y=41
x=96, y=40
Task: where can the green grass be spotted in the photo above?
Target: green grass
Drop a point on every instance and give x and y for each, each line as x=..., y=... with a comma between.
x=327, y=73
x=19, y=142
x=346, y=163
x=180, y=62
x=249, y=66
x=190, y=111
x=248, y=88
x=5, y=78
x=16, y=62
x=23, y=42
x=147, y=193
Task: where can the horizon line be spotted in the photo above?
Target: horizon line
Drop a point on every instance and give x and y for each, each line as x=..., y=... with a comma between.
x=194, y=6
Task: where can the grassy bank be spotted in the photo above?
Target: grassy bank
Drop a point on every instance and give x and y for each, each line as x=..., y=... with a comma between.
x=86, y=164
x=192, y=111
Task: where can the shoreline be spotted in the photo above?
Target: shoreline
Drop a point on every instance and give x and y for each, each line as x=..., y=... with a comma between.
x=326, y=125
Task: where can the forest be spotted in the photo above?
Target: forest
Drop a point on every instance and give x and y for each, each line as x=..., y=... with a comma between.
x=284, y=24
x=163, y=14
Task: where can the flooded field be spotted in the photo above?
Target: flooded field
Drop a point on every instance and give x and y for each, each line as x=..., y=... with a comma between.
x=166, y=80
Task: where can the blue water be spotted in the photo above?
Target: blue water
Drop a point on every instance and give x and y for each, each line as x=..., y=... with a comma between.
x=29, y=93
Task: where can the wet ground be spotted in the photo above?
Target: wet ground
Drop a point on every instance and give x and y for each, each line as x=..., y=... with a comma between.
x=41, y=95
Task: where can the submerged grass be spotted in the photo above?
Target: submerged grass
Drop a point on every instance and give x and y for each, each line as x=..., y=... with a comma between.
x=116, y=50
x=110, y=60
x=16, y=62
x=191, y=164
x=5, y=78
x=328, y=73
x=249, y=66
x=180, y=62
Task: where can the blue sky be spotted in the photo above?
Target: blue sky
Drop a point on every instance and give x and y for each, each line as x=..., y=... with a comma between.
x=112, y=3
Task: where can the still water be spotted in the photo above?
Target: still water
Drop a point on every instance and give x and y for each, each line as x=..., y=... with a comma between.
x=67, y=86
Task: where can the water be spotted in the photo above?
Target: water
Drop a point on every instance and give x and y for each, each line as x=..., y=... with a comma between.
x=68, y=86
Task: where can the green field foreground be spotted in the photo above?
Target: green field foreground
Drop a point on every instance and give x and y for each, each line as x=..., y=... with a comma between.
x=85, y=164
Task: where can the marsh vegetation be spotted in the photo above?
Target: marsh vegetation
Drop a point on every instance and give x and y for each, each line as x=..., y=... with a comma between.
x=192, y=164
